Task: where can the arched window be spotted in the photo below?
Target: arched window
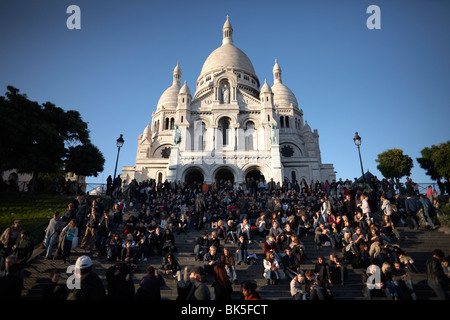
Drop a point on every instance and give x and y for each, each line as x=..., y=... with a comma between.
x=167, y=124
x=286, y=121
x=249, y=131
x=293, y=176
x=281, y=122
x=224, y=126
x=201, y=138
x=172, y=123
x=160, y=177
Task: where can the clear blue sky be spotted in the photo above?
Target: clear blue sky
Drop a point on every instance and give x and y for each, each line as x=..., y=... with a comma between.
x=391, y=85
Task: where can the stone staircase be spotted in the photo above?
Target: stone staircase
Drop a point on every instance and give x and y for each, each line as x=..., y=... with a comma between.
x=418, y=244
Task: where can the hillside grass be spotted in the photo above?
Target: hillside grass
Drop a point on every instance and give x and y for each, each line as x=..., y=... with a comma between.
x=34, y=209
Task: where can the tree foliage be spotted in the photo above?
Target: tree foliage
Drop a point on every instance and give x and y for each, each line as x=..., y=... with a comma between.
x=436, y=161
x=394, y=164
x=36, y=137
x=85, y=160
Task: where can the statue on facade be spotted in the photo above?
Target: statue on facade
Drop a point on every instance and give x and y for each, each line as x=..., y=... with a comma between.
x=225, y=94
x=176, y=137
x=273, y=134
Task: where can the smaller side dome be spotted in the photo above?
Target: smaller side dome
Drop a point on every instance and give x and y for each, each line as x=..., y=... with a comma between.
x=265, y=88
x=185, y=89
x=146, y=133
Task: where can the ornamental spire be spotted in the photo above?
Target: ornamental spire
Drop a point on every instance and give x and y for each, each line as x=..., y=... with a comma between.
x=227, y=32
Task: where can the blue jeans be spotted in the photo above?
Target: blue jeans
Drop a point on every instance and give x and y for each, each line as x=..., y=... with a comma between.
x=272, y=274
x=49, y=242
x=242, y=256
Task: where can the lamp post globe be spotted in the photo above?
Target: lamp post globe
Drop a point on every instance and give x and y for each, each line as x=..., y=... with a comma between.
x=119, y=142
x=357, y=141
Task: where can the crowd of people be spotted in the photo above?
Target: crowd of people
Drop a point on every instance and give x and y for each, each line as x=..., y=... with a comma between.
x=357, y=219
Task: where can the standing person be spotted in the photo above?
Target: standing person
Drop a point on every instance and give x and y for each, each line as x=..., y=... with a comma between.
x=91, y=287
x=223, y=289
x=69, y=214
x=117, y=217
x=199, y=208
x=436, y=278
x=427, y=208
x=82, y=211
x=103, y=232
x=241, y=250
x=365, y=207
x=412, y=207
x=91, y=229
x=150, y=285
x=51, y=233
x=65, y=239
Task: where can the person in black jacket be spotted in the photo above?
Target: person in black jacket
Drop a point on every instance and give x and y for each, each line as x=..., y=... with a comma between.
x=54, y=290
x=436, y=278
x=170, y=265
x=91, y=229
x=349, y=207
x=150, y=285
x=120, y=282
x=322, y=271
x=291, y=264
x=201, y=246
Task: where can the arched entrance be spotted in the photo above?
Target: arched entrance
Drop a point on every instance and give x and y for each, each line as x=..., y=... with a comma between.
x=223, y=175
x=194, y=177
x=255, y=174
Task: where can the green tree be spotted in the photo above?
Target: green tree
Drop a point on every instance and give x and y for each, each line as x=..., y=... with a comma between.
x=36, y=138
x=394, y=164
x=436, y=161
x=84, y=160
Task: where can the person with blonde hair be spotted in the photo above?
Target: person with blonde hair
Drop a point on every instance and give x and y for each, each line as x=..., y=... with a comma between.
x=271, y=269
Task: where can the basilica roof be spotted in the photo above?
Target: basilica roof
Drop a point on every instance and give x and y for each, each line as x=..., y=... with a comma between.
x=226, y=56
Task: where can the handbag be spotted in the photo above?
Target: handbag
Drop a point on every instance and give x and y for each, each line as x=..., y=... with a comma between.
x=74, y=242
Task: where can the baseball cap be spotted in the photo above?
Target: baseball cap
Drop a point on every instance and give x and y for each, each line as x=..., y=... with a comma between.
x=83, y=262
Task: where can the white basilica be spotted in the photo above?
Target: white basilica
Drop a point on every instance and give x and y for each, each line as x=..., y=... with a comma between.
x=232, y=128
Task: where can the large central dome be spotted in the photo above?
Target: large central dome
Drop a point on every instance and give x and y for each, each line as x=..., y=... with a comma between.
x=228, y=56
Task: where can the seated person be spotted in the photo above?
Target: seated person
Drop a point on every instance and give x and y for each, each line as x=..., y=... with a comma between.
x=210, y=260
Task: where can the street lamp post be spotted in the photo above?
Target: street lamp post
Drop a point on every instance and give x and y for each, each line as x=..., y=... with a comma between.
x=357, y=140
x=120, y=142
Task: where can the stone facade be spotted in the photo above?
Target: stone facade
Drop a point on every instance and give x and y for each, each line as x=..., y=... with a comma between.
x=231, y=129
